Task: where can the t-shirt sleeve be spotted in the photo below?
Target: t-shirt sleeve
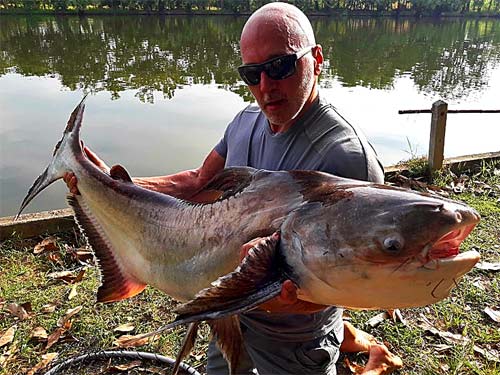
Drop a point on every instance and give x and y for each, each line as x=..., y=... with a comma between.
x=350, y=160
x=221, y=147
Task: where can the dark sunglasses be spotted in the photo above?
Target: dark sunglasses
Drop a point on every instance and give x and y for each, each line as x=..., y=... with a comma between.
x=277, y=68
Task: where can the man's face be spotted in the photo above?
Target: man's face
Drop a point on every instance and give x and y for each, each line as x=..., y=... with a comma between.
x=282, y=101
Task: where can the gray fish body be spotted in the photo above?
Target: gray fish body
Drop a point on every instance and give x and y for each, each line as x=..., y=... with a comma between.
x=344, y=242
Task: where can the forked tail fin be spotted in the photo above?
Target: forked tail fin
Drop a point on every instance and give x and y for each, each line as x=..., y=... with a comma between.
x=68, y=145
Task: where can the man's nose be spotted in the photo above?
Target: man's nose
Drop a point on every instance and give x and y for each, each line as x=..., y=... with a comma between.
x=266, y=84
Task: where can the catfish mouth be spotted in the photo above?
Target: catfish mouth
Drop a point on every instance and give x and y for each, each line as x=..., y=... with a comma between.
x=446, y=248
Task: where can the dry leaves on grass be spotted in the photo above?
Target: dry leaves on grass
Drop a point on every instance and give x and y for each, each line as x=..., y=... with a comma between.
x=46, y=359
x=19, y=311
x=132, y=341
x=47, y=244
x=63, y=325
x=8, y=336
x=493, y=314
x=124, y=328
x=124, y=367
x=69, y=277
x=455, y=338
x=488, y=266
x=353, y=367
x=39, y=334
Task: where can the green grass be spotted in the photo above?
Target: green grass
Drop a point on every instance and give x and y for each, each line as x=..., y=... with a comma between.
x=24, y=278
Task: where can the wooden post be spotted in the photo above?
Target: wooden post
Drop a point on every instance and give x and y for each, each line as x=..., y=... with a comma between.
x=438, y=130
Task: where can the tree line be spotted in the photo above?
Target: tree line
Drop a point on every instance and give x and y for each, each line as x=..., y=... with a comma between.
x=386, y=7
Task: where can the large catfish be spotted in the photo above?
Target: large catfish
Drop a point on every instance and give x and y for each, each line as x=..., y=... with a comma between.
x=342, y=242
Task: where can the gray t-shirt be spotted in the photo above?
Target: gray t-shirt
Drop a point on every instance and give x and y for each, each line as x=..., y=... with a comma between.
x=320, y=140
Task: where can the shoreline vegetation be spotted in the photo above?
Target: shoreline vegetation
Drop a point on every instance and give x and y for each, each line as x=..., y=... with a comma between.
x=330, y=8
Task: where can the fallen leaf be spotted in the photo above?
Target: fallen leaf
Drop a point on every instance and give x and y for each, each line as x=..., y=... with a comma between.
x=73, y=293
x=10, y=354
x=124, y=328
x=8, y=336
x=353, y=367
x=441, y=347
x=485, y=353
x=454, y=338
x=46, y=359
x=39, y=334
x=125, y=367
x=79, y=277
x=49, y=308
x=128, y=341
x=55, y=258
x=48, y=244
x=66, y=276
x=487, y=266
x=69, y=314
x=377, y=319
x=17, y=310
x=54, y=337
x=27, y=306
x=493, y=314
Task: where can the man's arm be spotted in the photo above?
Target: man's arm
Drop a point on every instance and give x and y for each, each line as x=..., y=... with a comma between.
x=184, y=185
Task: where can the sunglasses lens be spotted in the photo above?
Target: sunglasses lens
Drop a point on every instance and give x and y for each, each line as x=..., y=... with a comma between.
x=250, y=74
x=278, y=68
x=281, y=68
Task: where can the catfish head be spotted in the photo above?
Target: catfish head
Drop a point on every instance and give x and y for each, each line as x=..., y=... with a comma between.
x=371, y=246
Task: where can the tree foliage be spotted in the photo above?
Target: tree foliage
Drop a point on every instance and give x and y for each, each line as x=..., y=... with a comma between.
x=417, y=7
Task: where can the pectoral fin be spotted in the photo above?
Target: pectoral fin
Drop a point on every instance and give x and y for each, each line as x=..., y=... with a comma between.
x=255, y=281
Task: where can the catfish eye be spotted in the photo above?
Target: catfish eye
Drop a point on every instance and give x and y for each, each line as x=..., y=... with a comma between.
x=393, y=244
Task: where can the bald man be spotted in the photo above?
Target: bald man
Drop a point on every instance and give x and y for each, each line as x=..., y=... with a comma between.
x=291, y=127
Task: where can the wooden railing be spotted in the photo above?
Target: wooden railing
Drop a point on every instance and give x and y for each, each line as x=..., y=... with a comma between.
x=439, y=113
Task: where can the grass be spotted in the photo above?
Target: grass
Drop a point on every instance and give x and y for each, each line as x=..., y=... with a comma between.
x=25, y=278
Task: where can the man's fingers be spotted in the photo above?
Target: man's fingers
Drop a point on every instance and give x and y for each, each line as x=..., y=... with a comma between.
x=246, y=247
x=95, y=159
x=71, y=182
x=288, y=293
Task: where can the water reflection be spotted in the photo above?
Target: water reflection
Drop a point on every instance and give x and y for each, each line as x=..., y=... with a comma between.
x=373, y=67
x=148, y=54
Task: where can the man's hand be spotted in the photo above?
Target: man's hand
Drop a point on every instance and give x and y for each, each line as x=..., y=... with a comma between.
x=287, y=301
x=70, y=178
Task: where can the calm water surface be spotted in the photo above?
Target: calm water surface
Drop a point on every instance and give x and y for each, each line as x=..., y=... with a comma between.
x=164, y=89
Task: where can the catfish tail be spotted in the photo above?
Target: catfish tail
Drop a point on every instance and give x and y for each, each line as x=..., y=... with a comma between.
x=68, y=145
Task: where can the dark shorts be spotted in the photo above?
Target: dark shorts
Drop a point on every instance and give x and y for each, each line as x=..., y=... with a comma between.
x=265, y=356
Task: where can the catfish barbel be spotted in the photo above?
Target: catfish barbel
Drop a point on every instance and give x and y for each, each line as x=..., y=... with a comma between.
x=343, y=242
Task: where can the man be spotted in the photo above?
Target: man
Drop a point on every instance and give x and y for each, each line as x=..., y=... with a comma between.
x=291, y=128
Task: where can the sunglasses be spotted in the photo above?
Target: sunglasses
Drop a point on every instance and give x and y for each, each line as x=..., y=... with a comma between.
x=277, y=68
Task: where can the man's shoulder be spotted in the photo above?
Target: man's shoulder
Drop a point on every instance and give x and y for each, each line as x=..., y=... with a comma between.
x=245, y=118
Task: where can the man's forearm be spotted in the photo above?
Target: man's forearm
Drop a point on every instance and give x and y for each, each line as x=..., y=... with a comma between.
x=181, y=185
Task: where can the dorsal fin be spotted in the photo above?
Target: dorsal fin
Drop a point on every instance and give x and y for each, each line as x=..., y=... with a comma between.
x=230, y=181
x=117, y=172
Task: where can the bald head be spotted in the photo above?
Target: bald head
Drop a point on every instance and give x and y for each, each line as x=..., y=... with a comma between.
x=278, y=19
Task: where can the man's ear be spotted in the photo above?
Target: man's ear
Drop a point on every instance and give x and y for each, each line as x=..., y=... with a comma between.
x=317, y=53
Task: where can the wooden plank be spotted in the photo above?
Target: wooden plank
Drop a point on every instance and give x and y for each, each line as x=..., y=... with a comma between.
x=437, y=136
x=31, y=225
x=416, y=111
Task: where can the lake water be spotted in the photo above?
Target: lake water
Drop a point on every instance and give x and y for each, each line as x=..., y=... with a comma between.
x=164, y=88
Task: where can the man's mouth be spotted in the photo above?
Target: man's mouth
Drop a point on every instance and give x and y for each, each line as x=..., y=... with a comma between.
x=274, y=104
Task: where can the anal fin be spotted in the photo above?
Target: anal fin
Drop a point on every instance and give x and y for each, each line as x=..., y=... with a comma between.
x=227, y=332
x=115, y=284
